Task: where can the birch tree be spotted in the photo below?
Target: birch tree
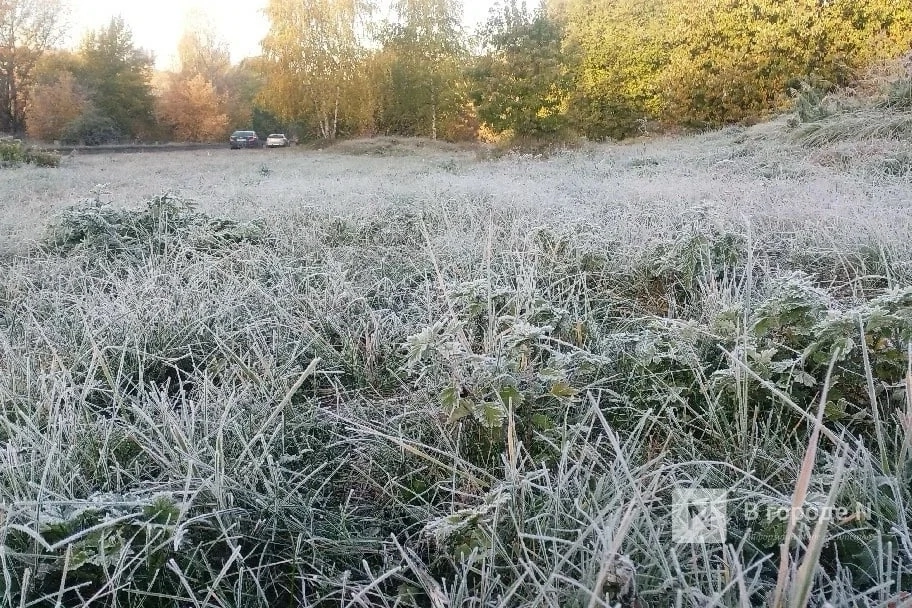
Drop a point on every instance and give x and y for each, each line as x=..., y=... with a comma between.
x=422, y=50
x=312, y=54
x=201, y=52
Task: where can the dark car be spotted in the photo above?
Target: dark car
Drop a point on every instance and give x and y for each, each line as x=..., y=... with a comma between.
x=244, y=139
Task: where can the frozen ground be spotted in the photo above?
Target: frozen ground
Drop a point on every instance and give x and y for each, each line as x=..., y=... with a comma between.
x=435, y=377
x=736, y=175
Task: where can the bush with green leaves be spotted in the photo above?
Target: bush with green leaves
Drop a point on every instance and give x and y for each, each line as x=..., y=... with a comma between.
x=42, y=158
x=91, y=129
x=13, y=153
x=503, y=366
x=165, y=221
x=810, y=101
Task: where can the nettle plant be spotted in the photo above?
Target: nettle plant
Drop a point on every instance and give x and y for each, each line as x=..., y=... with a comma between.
x=798, y=329
x=502, y=365
x=793, y=337
x=771, y=339
x=81, y=551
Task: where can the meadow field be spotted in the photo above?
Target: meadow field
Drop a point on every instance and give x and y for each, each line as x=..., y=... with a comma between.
x=402, y=373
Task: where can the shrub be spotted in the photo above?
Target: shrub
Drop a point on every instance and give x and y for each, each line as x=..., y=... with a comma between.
x=899, y=95
x=42, y=158
x=165, y=221
x=91, y=129
x=809, y=102
x=13, y=153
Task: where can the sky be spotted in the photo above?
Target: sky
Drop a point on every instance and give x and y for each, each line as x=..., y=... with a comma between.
x=157, y=25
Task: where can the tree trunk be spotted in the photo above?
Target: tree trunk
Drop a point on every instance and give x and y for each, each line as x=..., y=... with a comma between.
x=335, y=127
x=14, y=112
x=6, y=103
x=434, y=121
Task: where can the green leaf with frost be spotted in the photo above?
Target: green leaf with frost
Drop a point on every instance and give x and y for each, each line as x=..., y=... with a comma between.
x=804, y=378
x=542, y=422
x=562, y=390
x=490, y=414
x=510, y=397
x=456, y=407
x=551, y=374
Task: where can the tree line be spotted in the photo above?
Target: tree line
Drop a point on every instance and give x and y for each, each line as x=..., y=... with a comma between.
x=331, y=68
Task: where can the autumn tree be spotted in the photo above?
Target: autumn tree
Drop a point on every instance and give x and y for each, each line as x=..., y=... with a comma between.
x=117, y=75
x=60, y=106
x=192, y=109
x=201, y=52
x=311, y=59
x=27, y=29
x=711, y=62
x=193, y=100
x=421, y=61
x=521, y=83
x=54, y=105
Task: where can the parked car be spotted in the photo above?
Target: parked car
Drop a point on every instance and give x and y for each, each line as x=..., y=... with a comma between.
x=244, y=139
x=276, y=140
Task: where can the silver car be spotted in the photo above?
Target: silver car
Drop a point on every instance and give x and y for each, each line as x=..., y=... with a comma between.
x=276, y=140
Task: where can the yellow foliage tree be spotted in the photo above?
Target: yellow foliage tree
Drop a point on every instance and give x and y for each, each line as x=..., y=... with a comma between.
x=313, y=63
x=734, y=60
x=618, y=51
x=53, y=105
x=192, y=109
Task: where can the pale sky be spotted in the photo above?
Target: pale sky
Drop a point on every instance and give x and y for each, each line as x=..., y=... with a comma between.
x=157, y=24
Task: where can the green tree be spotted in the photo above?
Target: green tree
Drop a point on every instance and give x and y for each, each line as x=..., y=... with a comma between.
x=117, y=74
x=618, y=53
x=521, y=81
x=244, y=81
x=420, y=66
